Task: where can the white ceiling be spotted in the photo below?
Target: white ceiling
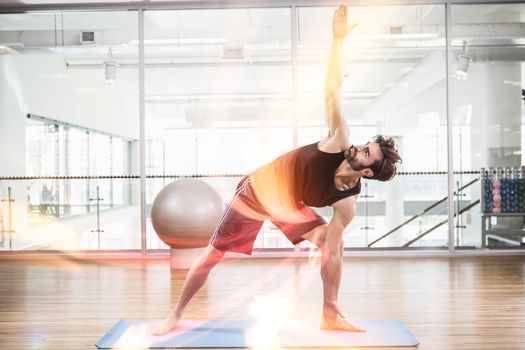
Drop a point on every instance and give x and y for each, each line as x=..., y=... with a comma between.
x=186, y=49
x=307, y=16
x=52, y=2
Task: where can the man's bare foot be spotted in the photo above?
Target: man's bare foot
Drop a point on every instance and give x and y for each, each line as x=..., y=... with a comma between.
x=166, y=325
x=340, y=324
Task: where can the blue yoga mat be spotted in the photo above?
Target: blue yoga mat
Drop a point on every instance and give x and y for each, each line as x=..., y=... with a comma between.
x=252, y=333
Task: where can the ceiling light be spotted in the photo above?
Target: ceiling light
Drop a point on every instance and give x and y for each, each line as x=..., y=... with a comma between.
x=392, y=36
x=232, y=51
x=110, y=69
x=461, y=70
x=189, y=41
x=6, y=50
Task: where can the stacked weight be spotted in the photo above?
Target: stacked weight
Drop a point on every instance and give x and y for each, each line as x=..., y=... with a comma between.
x=521, y=193
x=503, y=190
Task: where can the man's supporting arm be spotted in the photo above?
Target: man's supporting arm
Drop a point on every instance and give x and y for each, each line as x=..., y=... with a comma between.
x=332, y=261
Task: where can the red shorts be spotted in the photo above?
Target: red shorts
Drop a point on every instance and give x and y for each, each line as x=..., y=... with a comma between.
x=244, y=216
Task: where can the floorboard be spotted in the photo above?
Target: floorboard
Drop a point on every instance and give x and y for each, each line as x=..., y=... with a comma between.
x=447, y=302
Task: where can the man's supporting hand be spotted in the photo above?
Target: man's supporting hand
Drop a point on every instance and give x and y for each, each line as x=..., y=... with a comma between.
x=333, y=319
x=166, y=325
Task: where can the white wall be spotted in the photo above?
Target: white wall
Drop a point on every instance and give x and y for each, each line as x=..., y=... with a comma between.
x=12, y=150
x=13, y=106
x=78, y=96
x=41, y=85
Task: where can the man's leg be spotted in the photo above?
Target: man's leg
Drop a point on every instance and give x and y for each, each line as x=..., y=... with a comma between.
x=194, y=280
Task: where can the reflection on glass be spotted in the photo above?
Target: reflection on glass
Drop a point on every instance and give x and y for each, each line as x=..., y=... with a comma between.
x=487, y=113
x=394, y=85
x=60, y=117
x=218, y=85
x=59, y=150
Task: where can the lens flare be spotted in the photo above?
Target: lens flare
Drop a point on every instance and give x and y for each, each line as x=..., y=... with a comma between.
x=134, y=337
x=270, y=312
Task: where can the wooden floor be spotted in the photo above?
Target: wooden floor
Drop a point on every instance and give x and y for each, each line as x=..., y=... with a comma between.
x=447, y=303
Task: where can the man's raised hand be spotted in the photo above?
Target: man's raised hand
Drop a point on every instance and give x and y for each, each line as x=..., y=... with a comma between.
x=340, y=27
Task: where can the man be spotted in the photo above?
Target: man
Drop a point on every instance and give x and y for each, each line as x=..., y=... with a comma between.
x=316, y=175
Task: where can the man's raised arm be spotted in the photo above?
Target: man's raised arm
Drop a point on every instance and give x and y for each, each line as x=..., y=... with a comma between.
x=334, y=75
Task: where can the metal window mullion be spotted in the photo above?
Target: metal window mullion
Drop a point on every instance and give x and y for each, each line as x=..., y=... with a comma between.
x=88, y=170
x=450, y=165
x=295, y=139
x=111, y=171
x=57, y=168
x=142, y=137
x=66, y=183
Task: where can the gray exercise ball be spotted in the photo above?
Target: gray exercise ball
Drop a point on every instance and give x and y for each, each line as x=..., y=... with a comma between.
x=186, y=212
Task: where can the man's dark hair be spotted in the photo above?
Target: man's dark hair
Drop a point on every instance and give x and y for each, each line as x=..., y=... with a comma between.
x=386, y=168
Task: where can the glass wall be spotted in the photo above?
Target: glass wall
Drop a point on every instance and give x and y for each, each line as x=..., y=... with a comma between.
x=487, y=114
x=69, y=130
x=218, y=97
x=394, y=84
x=55, y=150
x=225, y=93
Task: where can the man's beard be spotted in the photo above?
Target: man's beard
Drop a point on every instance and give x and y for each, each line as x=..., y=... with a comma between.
x=350, y=158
